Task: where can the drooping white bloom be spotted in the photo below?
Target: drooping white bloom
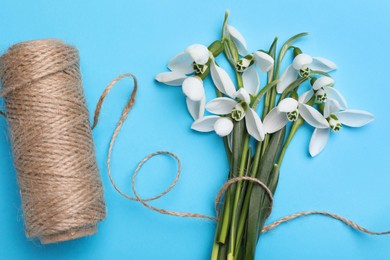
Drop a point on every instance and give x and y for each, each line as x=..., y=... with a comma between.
x=264, y=61
x=183, y=67
x=238, y=40
x=236, y=106
x=323, y=89
x=250, y=76
x=289, y=109
x=336, y=119
x=302, y=65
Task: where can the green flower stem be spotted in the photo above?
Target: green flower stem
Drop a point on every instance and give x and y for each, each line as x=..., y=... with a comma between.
x=264, y=90
x=293, y=130
x=216, y=48
x=281, y=55
x=293, y=86
x=317, y=72
x=225, y=218
x=240, y=83
x=238, y=151
x=235, y=212
x=215, y=251
x=245, y=206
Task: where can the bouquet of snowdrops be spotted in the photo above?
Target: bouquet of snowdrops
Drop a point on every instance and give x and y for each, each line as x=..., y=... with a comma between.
x=255, y=142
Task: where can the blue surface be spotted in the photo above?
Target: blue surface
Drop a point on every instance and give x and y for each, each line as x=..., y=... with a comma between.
x=351, y=177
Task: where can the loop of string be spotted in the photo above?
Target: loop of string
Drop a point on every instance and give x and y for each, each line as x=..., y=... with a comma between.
x=221, y=192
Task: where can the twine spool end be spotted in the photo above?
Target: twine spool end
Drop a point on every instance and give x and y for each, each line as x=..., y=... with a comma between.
x=69, y=235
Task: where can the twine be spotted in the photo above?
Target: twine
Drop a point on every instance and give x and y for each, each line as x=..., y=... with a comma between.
x=53, y=150
x=222, y=190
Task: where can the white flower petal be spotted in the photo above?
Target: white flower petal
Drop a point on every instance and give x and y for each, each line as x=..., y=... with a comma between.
x=222, y=80
x=312, y=116
x=243, y=94
x=355, y=118
x=322, y=64
x=205, y=124
x=274, y=121
x=221, y=106
x=254, y=125
x=223, y=126
x=230, y=141
x=287, y=105
x=193, y=88
x=333, y=93
x=199, y=53
x=322, y=82
x=306, y=96
x=302, y=61
x=288, y=76
x=318, y=140
x=181, y=63
x=196, y=108
x=264, y=61
x=171, y=78
x=331, y=106
x=238, y=40
x=251, y=80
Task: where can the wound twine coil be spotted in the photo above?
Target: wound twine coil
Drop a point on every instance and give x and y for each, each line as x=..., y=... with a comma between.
x=53, y=150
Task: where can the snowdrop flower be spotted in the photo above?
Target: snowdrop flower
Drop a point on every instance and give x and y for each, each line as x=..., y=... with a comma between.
x=289, y=109
x=323, y=89
x=250, y=76
x=264, y=61
x=301, y=66
x=193, y=60
x=183, y=67
x=336, y=119
x=236, y=106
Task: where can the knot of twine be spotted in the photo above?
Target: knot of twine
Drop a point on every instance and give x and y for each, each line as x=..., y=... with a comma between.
x=223, y=189
x=53, y=150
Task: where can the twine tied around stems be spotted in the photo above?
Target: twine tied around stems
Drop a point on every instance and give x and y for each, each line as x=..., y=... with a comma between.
x=223, y=189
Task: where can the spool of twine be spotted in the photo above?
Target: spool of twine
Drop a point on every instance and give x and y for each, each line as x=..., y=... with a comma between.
x=53, y=151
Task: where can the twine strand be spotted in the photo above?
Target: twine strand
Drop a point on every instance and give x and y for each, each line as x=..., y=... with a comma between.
x=222, y=190
x=346, y=221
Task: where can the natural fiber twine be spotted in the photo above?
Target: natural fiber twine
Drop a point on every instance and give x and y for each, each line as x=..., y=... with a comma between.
x=53, y=151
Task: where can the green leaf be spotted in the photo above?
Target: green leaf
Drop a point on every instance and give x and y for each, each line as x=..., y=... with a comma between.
x=264, y=90
x=286, y=46
x=257, y=196
x=272, y=184
x=282, y=53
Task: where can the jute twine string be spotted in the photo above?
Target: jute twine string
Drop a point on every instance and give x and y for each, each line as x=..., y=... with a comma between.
x=53, y=150
x=226, y=185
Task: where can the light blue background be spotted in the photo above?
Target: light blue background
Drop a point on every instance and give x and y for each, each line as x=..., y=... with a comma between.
x=351, y=177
